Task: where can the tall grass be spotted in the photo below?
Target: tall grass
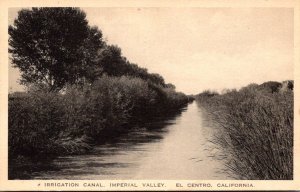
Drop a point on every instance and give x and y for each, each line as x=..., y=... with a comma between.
x=70, y=122
x=256, y=130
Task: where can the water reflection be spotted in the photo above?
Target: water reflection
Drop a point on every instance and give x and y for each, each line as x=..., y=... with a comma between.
x=176, y=148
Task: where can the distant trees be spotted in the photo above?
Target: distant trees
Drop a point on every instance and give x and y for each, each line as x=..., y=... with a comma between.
x=54, y=46
x=111, y=61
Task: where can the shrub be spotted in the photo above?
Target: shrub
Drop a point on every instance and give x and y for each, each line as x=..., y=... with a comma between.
x=35, y=121
x=68, y=122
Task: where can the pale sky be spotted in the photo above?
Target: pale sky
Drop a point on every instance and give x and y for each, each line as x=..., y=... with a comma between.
x=199, y=48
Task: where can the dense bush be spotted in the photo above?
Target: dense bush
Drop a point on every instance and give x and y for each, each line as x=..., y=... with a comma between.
x=257, y=130
x=35, y=121
x=68, y=122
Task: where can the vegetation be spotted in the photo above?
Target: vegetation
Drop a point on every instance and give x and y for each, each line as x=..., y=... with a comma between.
x=79, y=87
x=256, y=125
x=80, y=90
x=43, y=122
x=54, y=46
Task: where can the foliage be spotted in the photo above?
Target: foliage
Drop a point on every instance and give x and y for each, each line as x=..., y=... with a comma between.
x=43, y=122
x=257, y=130
x=112, y=63
x=57, y=47
x=206, y=95
x=35, y=121
x=54, y=46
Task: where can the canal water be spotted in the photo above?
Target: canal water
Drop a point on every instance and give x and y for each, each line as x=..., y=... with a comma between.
x=178, y=148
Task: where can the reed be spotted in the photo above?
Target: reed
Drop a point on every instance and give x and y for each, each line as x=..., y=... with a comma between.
x=70, y=122
x=256, y=125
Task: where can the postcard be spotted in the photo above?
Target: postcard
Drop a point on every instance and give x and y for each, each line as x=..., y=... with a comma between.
x=149, y=95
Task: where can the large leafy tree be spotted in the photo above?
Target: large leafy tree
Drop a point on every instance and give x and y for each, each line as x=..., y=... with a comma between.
x=54, y=46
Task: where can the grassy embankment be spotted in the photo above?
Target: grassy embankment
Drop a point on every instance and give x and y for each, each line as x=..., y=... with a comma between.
x=54, y=123
x=256, y=129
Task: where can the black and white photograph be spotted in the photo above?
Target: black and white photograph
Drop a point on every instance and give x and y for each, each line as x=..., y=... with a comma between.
x=146, y=93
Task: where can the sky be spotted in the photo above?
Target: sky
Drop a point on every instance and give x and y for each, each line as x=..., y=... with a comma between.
x=198, y=48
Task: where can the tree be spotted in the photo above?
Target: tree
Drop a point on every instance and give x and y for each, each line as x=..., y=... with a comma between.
x=111, y=61
x=170, y=86
x=54, y=46
x=156, y=78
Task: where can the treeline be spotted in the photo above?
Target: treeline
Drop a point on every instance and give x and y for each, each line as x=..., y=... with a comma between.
x=256, y=128
x=79, y=88
x=57, y=47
